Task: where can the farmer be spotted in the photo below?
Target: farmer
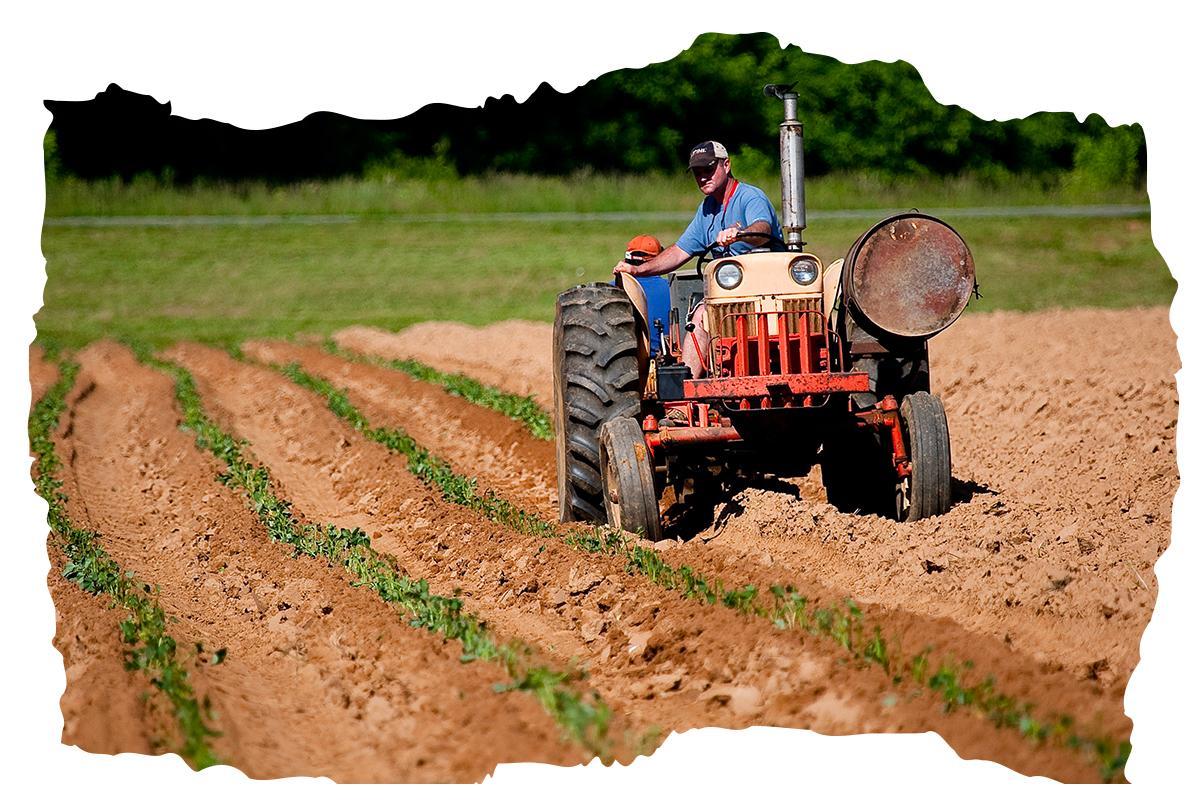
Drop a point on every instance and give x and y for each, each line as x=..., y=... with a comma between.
x=729, y=208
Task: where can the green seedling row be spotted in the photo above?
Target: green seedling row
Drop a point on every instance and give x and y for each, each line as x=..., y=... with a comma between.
x=782, y=605
x=585, y=719
x=89, y=566
x=524, y=410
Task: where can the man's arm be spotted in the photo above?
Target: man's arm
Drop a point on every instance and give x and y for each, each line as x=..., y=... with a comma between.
x=729, y=235
x=667, y=261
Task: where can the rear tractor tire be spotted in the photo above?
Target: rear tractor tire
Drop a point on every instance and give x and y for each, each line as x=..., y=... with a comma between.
x=630, y=497
x=927, y=491
x=596, y=380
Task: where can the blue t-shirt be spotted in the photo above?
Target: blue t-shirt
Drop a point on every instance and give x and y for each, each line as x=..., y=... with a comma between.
x=748, y=205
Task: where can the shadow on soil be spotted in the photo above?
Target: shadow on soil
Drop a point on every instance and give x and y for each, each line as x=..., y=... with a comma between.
x=706, y=511
x=965, y=491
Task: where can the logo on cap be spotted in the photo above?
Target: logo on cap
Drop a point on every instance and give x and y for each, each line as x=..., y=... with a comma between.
x=706, y=154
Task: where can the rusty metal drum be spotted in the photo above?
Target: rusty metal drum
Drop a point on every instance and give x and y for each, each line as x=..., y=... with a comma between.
x=909, y=275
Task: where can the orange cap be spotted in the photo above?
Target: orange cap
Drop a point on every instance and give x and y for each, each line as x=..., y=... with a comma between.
x=644, y=246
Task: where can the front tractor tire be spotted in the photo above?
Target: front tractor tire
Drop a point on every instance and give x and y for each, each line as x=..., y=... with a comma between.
x=627, y=471
x=596, y=380
x=927, y=491
x=859, y=476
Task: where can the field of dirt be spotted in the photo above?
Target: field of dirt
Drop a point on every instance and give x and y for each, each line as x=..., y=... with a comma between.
x=1041, y=575
x=1063, y=436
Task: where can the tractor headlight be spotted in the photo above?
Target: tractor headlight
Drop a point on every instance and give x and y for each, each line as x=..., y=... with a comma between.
x=729, y=275
x=803, y=270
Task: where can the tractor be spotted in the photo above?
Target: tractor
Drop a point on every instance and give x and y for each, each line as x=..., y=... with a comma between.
x=808, y=364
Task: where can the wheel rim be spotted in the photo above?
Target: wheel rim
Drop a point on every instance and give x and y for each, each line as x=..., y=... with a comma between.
x=611, y=499
x=903, y=497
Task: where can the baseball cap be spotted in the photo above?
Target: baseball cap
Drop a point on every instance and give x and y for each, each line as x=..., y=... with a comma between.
x=642, y=248
x=706, y=154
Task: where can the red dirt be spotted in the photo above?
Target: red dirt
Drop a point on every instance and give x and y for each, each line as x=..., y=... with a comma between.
x=1056, y=554
x=476, y=441
x=1069, y=465
x=105, y=708
x=519, y=366
x=321, y=678
x=42, y=374
x=381, y=394
x=1042, y=575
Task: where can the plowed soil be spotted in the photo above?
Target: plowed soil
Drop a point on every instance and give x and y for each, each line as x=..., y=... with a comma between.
x=513, y=355
x=1041, y=575
x=1063, y=435
x=320, y=679
x=105, y=708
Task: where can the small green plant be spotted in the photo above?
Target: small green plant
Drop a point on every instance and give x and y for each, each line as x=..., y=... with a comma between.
x=741, y=600
x=876, y=650
x=151, y=650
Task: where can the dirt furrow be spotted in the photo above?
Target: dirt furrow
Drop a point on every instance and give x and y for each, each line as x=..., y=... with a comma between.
x=656, y=657
x=1064, y=462
x=512, y=355
x=476, y=441
x=106, y=708
x=320, y=678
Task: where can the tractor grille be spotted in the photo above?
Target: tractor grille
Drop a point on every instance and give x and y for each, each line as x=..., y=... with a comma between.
x=726, y=323
x=815, y=325
x=725, y=314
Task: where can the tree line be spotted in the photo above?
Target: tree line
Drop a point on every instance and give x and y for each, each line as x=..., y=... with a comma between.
x=873, y=116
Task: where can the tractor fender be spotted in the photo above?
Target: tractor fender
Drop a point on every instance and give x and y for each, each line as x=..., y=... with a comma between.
x=641, y=312
x=831, y=284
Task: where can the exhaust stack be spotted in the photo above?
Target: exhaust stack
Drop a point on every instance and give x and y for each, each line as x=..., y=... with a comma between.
x=791, y=165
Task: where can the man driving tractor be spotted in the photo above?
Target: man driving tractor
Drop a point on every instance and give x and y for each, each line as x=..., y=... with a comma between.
x=791, y=364
x=730, y=208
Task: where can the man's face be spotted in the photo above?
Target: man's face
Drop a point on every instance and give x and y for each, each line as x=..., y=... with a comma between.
x=712, y=180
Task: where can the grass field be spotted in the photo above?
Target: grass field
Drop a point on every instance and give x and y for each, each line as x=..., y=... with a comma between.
x=392, y=194
x=221, y=284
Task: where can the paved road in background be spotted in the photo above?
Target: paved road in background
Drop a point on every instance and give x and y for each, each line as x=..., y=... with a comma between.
x=571, y=216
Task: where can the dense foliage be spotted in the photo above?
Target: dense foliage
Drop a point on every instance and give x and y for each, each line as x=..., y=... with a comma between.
x=872, y=116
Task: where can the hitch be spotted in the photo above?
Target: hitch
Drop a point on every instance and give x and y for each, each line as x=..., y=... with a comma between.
x=887, y=415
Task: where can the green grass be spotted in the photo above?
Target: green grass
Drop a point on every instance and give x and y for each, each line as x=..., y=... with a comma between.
x=151, y=650
x=781, y=605
x=584, y=718
x=581, y=192
x=224, y=284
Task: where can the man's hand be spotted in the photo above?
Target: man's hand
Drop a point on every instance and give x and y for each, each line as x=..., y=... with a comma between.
x=671, y=258
x=729, y=235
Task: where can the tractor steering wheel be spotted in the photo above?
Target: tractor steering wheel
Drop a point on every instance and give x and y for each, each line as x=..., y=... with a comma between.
x=707, y=255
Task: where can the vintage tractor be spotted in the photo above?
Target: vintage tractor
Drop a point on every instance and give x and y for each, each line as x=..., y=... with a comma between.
x=807, y=364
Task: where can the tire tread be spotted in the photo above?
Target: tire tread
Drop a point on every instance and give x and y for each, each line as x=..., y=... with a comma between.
x=596, y=380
